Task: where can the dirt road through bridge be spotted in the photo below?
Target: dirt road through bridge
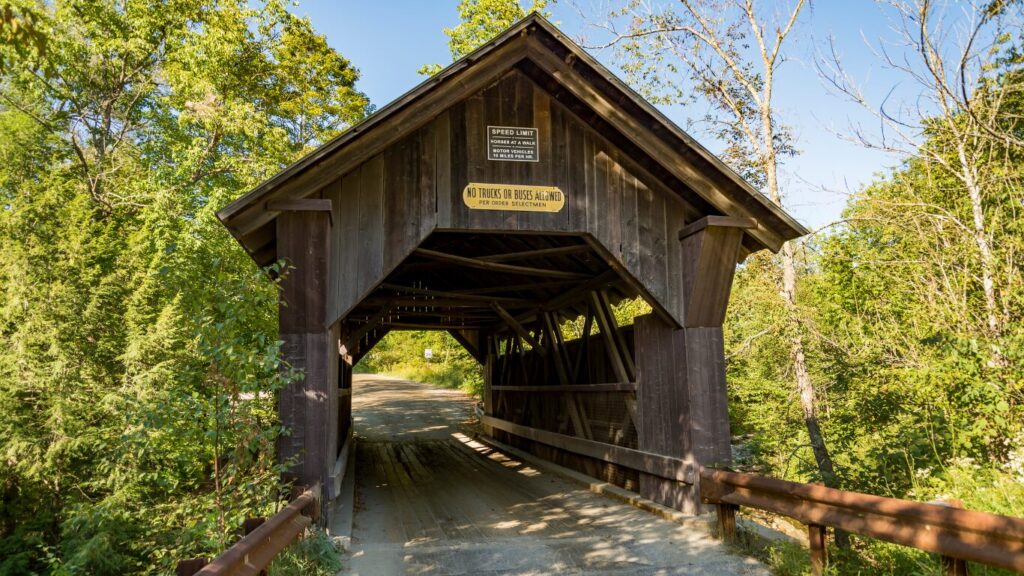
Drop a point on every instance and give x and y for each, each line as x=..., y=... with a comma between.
x=431, y=501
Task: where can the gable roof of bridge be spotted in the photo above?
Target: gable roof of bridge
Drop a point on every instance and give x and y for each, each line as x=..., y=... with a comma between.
x=559, y=65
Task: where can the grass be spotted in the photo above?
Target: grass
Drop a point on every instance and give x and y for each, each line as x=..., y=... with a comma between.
x=314, y=555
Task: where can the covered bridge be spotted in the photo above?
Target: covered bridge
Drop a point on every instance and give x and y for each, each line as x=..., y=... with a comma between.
x=521, y=187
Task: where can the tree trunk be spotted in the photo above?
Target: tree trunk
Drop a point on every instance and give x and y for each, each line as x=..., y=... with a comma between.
x=970, y=181
x=804, y=384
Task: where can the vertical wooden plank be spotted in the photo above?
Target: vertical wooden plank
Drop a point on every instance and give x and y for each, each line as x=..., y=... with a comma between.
x=531, y=172
x=630, y=234
x=670, y=256
x=648, y=231
x=611, y=201
x=727, y=522
x=819, y=554
x=333, y=424
x=337, y=290
x=663, y=409
x=705, y=382
x=426, y=187
x=370, y=238
x=576, y=159
x=508, y=114
x=396, y=202
x=460, y=166
x=708, y=268
x=444, y=193
x=410, y=191
x=559, y=156
x=547, y=134
x=953, y=566
x=597, y=194
x=476, y=156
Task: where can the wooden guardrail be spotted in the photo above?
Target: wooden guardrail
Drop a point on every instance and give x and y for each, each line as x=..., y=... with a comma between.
x=955, y=534
x=264, y=539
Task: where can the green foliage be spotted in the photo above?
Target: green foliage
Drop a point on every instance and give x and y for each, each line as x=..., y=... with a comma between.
x=482, y=20
x=139, y=357
x=314, y=555
x=921, y=396
x=21, y=38
x=401, y=354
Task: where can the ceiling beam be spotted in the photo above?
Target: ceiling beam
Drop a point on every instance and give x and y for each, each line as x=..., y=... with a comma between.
x=429, y=326
x=518, y=287
x=352, y=339
x=497, y=266
x=408, y=301
x=538, y=253
x=459, y=295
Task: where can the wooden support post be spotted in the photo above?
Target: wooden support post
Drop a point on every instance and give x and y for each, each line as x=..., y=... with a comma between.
x=819, y=553
x=606, y=322
x=727, y=522
x=250, y=524
x=490, y=365
x=190, y=567
x=682, y=406
x=307, y=406
x=553, y=337
x=517, y=327
x=953, y=566
x=584, y=345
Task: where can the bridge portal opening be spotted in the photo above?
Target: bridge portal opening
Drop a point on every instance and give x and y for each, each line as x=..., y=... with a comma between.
x=536, y=311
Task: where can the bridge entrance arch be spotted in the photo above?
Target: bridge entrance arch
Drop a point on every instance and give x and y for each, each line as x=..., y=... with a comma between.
x=521, y=187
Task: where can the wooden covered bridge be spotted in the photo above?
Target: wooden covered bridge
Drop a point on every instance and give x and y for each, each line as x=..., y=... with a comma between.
x=522, y=187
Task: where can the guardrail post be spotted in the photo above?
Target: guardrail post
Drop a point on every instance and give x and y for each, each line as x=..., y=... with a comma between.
x=953, y=566
x=190, y=567
x=251, y=524
x=819, y=553
x=727, y=522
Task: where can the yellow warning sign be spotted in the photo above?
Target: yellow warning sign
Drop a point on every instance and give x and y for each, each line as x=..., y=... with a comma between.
x=517, y=197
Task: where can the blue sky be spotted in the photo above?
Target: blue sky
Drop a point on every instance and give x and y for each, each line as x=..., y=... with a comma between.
x=388, y=40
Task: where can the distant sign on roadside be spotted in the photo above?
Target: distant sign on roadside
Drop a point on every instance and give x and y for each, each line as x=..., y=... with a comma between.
x=428, y=353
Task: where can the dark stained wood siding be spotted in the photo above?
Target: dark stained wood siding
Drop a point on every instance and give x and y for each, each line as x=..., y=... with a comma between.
x=634, y=217
x=382, y=211
x=663, y=407
x=389, y=204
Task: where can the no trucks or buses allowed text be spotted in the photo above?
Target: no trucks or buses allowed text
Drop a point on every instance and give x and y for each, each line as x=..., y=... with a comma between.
x=516, y=197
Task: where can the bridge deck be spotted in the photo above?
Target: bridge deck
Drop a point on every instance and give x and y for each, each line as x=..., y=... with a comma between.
x=429, y=500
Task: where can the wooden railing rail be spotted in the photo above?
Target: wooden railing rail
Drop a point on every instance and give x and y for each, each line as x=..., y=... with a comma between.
x=684, y=471
x=264, y=540
x=957, y=535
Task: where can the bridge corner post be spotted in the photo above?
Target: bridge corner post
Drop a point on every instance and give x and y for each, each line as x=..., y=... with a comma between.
x=681, y=392
x=711, y=248
x=307, y=406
